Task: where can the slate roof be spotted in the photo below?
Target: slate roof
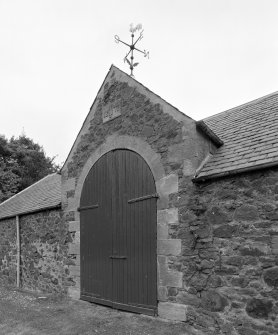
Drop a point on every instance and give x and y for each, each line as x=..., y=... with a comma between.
x=46, y=193
x=250, y=136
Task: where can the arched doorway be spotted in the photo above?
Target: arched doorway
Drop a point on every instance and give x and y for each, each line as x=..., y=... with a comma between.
x=118, y=233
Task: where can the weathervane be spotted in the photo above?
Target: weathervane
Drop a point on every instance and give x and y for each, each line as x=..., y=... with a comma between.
x=132, y=47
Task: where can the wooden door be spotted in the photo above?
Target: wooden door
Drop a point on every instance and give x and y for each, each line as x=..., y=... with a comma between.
x=118, y=233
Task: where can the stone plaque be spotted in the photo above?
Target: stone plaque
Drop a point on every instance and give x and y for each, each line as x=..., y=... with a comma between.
x=110, y=114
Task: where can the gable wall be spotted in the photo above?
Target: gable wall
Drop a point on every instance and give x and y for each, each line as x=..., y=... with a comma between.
x=143, y=115
x=164, y=137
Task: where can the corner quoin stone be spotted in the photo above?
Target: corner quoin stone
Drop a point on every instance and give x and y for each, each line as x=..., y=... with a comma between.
x=167, y=277
x=172, y=311
x=74, y=249
x=169, y=247
x=74, y=226
x=167, y=185
x=167, y=216
x=162, y=293
x=74, y=270
x=162, y=231
x=164, y=218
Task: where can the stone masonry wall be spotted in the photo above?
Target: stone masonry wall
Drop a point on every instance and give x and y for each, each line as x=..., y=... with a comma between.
x=8, y=252
x=229, y=259
x=44, y=246
x=139, y=118
x=44, y=241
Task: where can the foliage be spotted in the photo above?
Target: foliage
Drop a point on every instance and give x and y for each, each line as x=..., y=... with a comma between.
x=22, y=163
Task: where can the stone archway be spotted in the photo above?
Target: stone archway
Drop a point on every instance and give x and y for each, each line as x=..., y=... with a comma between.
x=165, y=185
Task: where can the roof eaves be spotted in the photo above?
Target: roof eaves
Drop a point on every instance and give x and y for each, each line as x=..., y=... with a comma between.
x=201, y=125
x=31, y=212
x=200, y=179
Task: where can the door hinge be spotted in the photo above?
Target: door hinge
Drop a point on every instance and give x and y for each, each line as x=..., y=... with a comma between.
x=145, y=197
x=87, y=207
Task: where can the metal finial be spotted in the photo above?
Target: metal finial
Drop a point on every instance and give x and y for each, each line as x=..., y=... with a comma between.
x=132, y=47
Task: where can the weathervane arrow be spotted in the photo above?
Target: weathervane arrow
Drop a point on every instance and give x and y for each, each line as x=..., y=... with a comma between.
x=132, y=46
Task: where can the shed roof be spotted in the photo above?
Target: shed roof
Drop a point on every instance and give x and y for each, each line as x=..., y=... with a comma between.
x=250, y=136
x=44, y=194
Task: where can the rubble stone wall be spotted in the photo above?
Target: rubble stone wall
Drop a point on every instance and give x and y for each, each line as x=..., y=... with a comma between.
x=8, y=252
x=44, y=239
x=229, y=234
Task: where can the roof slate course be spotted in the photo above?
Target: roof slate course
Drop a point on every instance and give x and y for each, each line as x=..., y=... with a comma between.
x=46, y=193
x=250, y=136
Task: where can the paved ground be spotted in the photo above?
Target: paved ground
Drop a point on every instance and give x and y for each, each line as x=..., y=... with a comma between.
x=26, y=313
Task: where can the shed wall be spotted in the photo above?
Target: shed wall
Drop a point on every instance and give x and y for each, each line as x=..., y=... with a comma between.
x=44, y=263
x=8, y=252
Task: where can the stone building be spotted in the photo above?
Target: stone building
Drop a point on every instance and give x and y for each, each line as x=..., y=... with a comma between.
x=156, y=213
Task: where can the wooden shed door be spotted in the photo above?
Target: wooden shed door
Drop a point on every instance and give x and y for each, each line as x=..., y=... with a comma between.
x=118, y=233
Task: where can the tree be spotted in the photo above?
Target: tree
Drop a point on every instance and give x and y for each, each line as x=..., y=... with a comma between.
x=9, y=180
x=22, y=163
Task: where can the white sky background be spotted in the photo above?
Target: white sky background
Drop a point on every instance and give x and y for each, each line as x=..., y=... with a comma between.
x=206, y=56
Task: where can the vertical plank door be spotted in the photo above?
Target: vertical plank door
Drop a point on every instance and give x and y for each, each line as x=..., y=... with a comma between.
x=118, y=233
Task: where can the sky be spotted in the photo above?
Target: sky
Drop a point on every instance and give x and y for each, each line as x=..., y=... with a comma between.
x=206, y=56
